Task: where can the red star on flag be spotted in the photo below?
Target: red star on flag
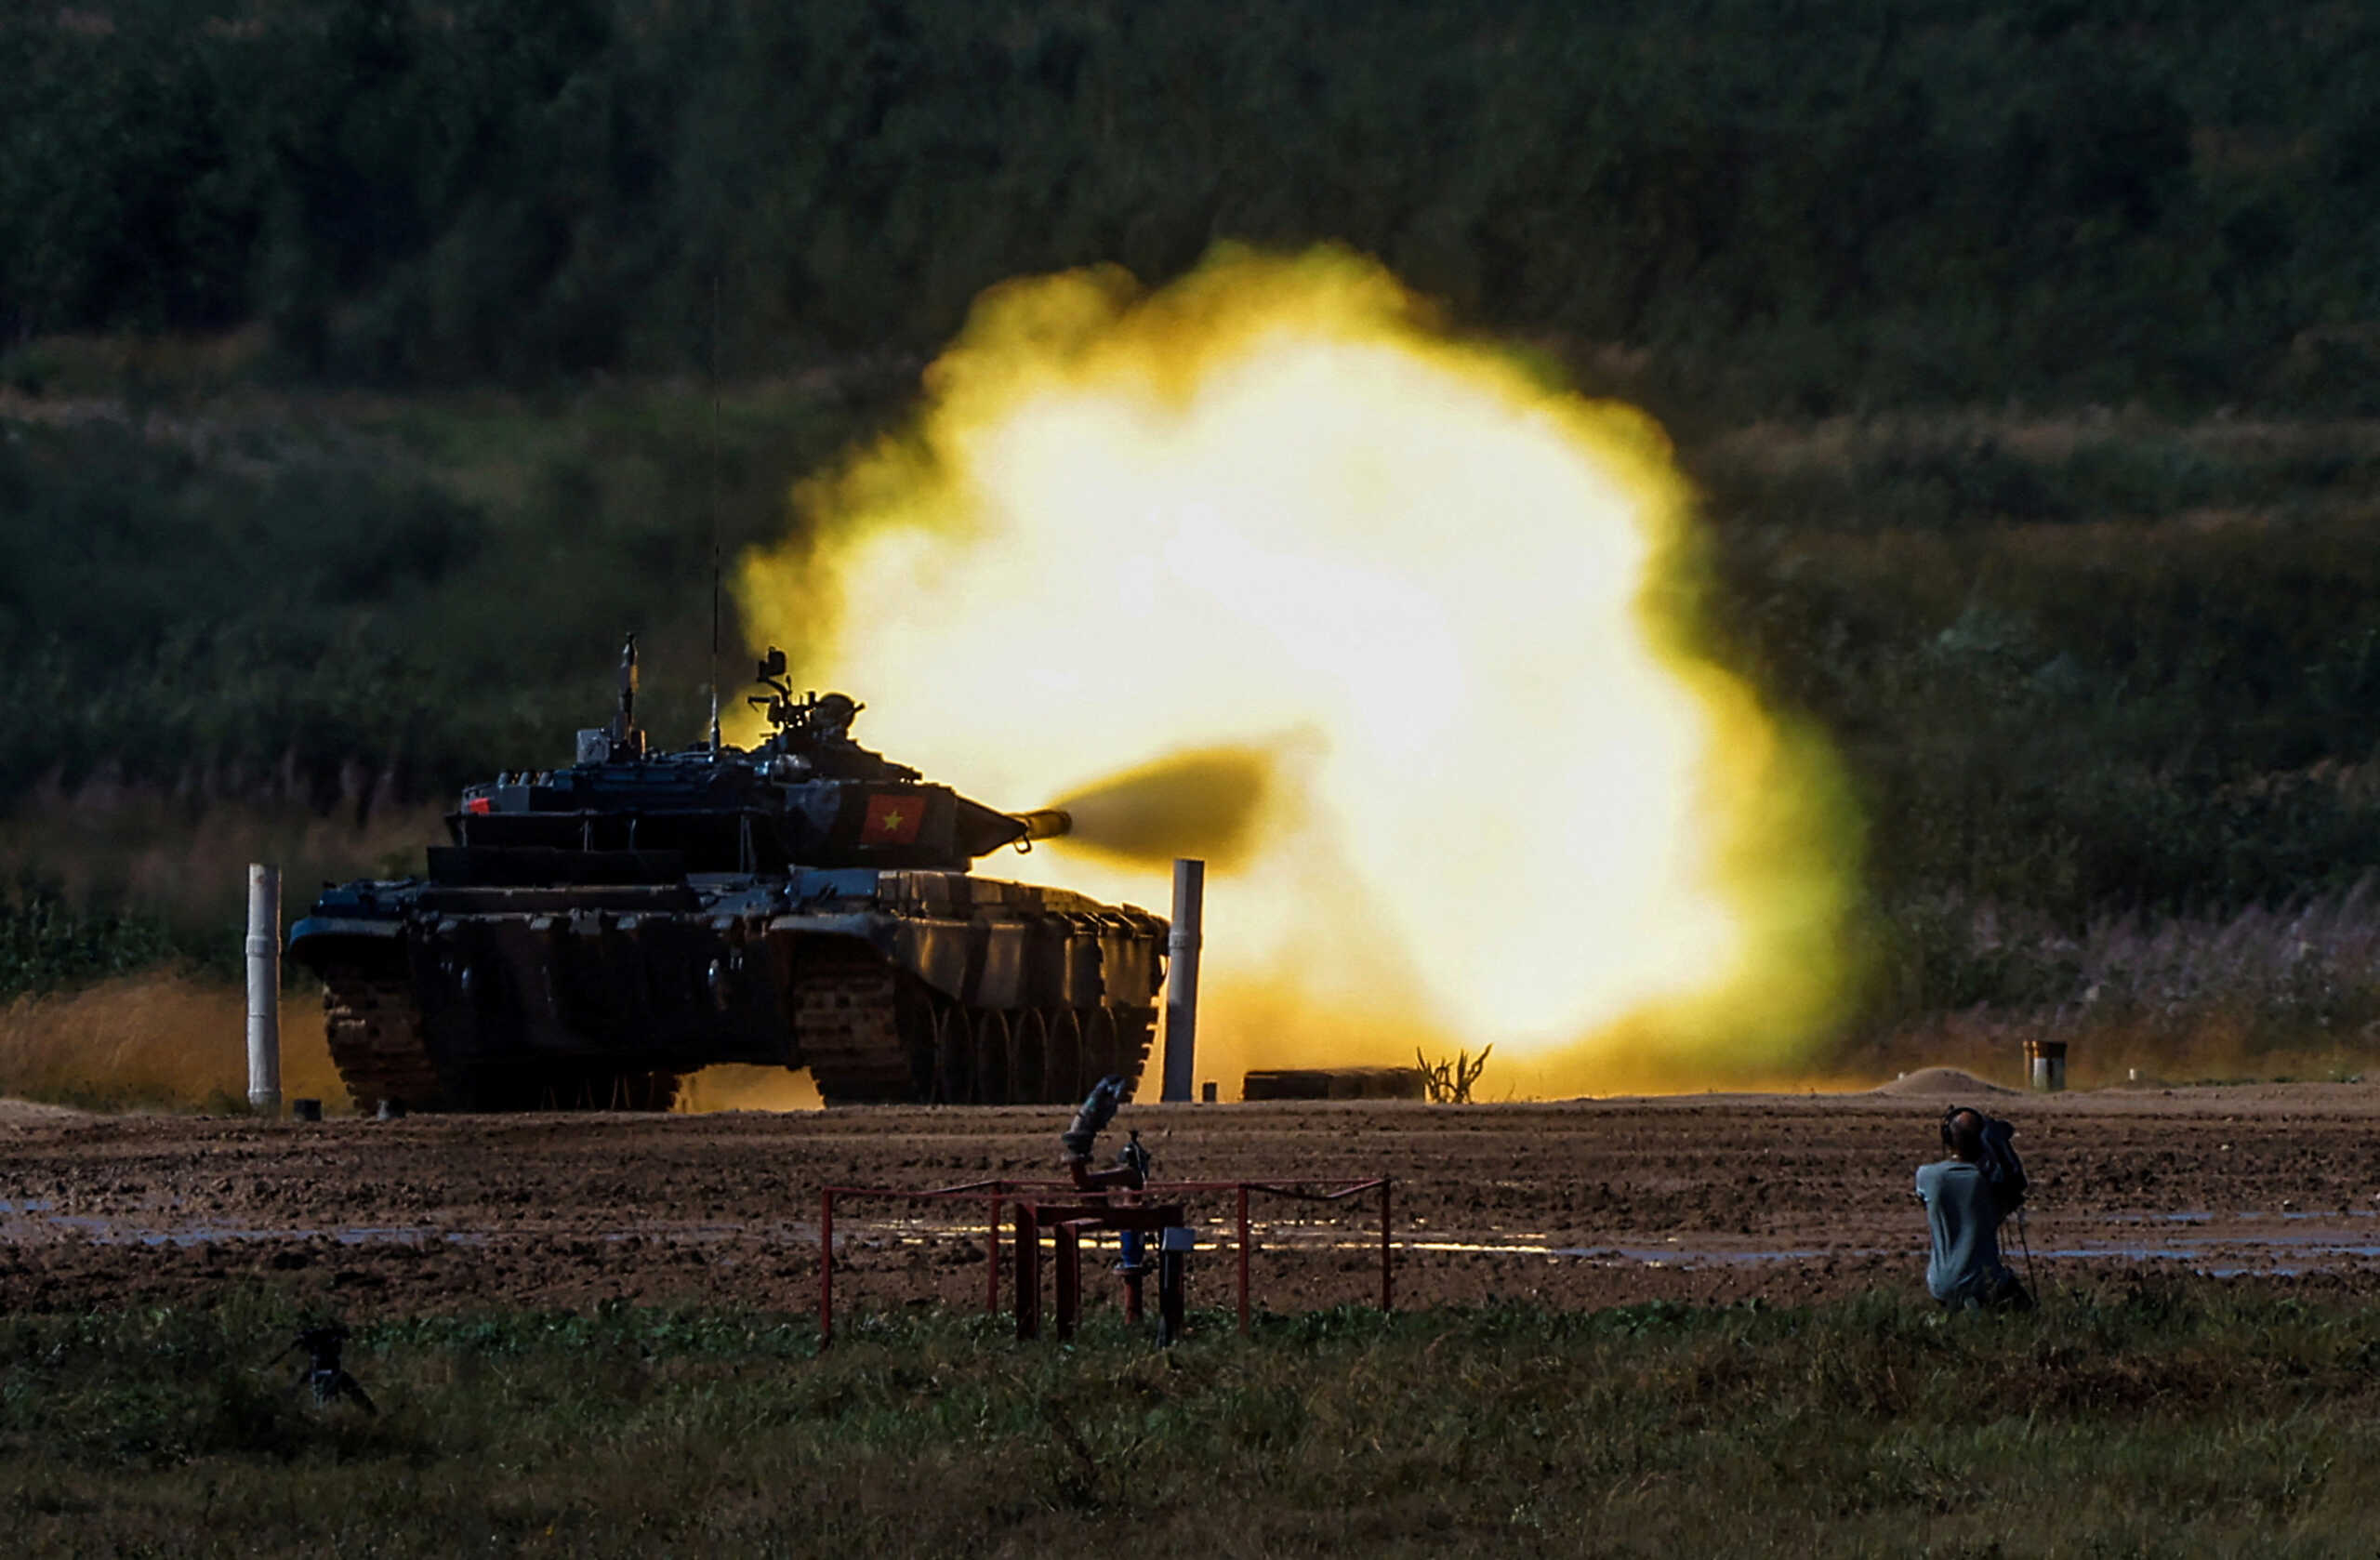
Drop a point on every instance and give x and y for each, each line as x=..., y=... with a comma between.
x=892, y=819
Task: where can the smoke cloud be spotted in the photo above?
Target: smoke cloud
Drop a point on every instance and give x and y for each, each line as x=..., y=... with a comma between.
x=1142, y=534
x=1209, y=803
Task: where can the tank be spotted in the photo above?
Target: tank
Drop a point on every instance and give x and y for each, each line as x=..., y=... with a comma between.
x=591, y=934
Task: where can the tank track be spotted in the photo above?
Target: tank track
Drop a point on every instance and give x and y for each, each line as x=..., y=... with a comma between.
x=849, y=1014
x=873, y=1034
x=374, y=1027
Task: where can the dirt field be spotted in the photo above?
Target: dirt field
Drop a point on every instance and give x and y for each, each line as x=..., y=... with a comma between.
x=1708, y=1198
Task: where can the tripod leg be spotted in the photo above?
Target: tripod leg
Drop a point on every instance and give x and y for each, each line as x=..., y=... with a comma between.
x=1170, y=1267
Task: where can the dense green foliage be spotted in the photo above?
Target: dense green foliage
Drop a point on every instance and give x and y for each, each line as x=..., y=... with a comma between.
x=2087, y=675
x=1828, y=205
x=2078, y=668
x=250, y=600
x=2198, y=1422
x=46, y=942
x=235, y=611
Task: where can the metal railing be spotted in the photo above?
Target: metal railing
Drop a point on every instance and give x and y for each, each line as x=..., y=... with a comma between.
x=1062, y=1207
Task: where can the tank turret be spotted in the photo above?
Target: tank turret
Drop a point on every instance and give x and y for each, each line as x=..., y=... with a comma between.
x=591, y=933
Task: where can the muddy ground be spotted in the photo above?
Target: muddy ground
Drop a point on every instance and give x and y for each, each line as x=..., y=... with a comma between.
x=1585, y=1203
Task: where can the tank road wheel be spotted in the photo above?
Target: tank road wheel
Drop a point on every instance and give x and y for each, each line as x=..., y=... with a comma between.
x=921, y=1022
x=991, y=1057
x=954, y=1065
x=1065, y=1083
x=1028, y=1051
x=374, y=1027
x=1098, y=1046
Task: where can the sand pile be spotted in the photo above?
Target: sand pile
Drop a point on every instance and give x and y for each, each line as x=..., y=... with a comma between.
x=29, y=1113
x=1938, y=1083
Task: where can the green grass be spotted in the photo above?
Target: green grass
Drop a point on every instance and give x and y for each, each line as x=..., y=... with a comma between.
x=2149, y=1417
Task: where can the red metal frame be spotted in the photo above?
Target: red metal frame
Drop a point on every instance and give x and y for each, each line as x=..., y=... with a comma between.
x=1066, y=1210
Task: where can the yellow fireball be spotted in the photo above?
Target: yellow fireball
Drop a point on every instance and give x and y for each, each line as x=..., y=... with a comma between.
x=1277, y=509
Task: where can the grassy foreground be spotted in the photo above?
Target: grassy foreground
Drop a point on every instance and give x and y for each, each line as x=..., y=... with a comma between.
x=2150, y=1418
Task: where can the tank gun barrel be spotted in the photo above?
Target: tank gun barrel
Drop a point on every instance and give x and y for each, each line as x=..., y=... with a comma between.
x=1045, y=823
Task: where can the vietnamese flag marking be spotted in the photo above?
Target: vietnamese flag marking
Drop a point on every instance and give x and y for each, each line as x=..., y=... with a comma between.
x=892, y=820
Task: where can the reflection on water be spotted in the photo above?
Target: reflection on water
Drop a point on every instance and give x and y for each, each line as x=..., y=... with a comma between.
x=2218, y=1246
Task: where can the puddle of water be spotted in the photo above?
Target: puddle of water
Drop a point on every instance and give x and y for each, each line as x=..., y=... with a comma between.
x=103, y=1231
x=1652, y=1256
x=2231, y=1251
x=2307, y=1251
x=2202, y=1216
x=2306, y=1246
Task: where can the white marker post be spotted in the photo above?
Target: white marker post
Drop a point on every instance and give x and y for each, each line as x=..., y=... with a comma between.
x=264, y=990
x=1182, y=946
x=2045, y=1061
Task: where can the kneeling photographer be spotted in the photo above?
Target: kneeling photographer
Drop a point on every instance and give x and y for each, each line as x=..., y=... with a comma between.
x=1967, y=1197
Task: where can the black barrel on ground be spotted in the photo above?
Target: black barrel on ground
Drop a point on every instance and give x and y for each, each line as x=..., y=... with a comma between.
x=1334, y=1083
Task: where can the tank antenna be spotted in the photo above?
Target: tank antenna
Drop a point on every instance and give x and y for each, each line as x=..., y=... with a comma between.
x=713, y=489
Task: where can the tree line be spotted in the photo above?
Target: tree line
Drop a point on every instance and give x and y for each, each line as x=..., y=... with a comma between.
x=1816, y=205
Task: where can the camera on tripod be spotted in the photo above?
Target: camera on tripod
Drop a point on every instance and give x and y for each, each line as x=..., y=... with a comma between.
x=1993, y=1152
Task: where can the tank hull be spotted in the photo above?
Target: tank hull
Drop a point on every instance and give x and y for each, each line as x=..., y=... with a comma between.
x=914, y=986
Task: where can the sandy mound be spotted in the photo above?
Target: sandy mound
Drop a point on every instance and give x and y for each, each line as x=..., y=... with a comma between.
x=27, y=1113
x=1938, y=1083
